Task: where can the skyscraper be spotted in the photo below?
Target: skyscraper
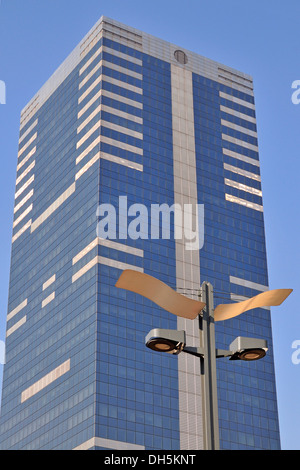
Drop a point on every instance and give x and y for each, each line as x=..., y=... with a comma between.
x=128, y=122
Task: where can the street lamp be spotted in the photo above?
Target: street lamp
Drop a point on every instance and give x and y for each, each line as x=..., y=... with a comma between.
x=169, y=341
x=248, y=349
x=174, y=342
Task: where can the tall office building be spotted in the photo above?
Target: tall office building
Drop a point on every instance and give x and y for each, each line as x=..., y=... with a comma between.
x=131, y=119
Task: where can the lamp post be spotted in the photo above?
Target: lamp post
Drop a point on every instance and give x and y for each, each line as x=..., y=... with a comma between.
x=209, y=368
x=174, y=341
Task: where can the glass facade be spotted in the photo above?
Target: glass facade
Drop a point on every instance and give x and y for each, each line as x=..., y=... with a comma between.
x=78, y=374
x=235, y=249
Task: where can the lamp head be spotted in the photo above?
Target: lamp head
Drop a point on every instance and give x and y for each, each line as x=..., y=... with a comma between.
x=169, y=341
x=248, y=349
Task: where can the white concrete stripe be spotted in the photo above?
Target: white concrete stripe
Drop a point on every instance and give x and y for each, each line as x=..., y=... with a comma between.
x=22, y=162
x=23, y=215
x=48, y=299
x=89, y=104
x=241, y=157
x=45, y=381
x=112, y=126
x=90, y=61
x=112, y=52
x=122, y=84
x=16, y=326
x=244, y=202
x=113, y=81
x=120, y=69
x=89, y=118
x=85, y=250
x=30, y=128
x=122, y=129
x=122, y=114
x=32, y=139
x=29, y=111
x=239, y=142
x=122, y=55
x=88, y=149
x=88, y=165
x=20, y=232
x=111, y=158
x=49, y=282
x=25, y=186
x=23, y=201
x=88, y=134
x=108, y=444
x=122, y=99
x=243, y=187
x=131, y=250
x=90, y=74
x=16, y=310
x=112, y=66
x=237, y=100
x=235, y=127
x=235, y=113
x=114, y=96
x=109, y=244
x=240, y=171
x=55, y=205
x=85, y=269
x=106, y=261
x=28, y=169
x=118, y=264
x=187, y=262
x=122, y=161
x=122, y=145
x=90, y=89
x=249, y=284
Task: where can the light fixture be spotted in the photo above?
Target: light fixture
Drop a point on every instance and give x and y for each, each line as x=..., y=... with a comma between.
x=252, y=354
x=169, y=341
x=248, y=349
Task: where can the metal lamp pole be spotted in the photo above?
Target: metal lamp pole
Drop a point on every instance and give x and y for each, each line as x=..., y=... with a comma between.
x=209, y=369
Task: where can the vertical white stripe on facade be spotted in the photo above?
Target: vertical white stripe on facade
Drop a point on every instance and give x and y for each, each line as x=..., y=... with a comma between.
x=187, y=262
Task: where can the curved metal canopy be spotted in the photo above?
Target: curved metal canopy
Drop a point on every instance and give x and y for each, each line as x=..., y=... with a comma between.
x=270, y=298
x=180, y=305
x=160, y=293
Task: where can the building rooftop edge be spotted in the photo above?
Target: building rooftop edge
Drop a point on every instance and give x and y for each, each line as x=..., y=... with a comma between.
x=150, y=44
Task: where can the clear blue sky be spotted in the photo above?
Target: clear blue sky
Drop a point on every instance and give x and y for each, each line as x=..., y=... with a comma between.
x=259, y=37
